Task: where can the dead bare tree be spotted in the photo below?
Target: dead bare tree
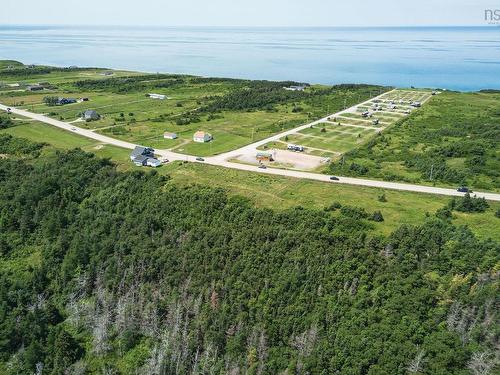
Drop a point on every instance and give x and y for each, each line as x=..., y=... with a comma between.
x=416, y=364
x=304, y=343
x=482, y=363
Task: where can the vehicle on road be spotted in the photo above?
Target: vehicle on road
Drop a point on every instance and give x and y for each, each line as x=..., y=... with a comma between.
x=8, y=110
x=262, y=166
x=463, y=189
x=199, y=159
x=74, y=129
x=334, y=178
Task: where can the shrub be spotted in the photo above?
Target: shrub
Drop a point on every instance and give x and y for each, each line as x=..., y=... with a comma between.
x=377, y=216
x=469, y=204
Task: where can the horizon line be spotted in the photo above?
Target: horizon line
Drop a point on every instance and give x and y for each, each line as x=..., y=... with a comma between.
x=250, y=26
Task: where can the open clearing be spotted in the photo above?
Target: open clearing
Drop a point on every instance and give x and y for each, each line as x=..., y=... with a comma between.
x=347, y=130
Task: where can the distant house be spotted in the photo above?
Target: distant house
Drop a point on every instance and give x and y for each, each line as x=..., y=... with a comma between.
x=202, y=137
x=168, y=135
x=34, y=88
x=144, y=156
x=264, y=156
x=295, y=88
x=157, y=96
x=63, y=101
x=107, y=73
x=90, y=115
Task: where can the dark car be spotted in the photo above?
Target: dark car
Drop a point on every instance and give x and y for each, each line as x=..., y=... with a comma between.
x=262, y=166
x=463, y=189
x=333, y=178
x=200, y=159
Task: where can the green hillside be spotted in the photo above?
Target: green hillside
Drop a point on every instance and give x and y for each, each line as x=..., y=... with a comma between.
x=123, y=272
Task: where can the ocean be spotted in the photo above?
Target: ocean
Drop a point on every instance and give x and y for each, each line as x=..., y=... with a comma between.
x=457, y=58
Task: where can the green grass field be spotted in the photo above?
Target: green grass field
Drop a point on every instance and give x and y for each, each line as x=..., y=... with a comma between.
x=128, y=114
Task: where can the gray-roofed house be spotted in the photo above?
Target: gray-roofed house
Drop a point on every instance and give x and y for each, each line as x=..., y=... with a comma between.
x=142, y=151
x=90, y=115
x=142, y=156
x=140, y=160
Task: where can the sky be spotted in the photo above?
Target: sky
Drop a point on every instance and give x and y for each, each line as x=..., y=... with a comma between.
x=247, y=12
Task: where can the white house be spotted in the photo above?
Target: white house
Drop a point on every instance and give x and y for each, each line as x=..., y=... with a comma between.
x=168, y=135
x=295, y=88
x=202, y=137
x=157, y=96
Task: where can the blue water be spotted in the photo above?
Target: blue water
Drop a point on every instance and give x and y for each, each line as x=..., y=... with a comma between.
x=461, y=58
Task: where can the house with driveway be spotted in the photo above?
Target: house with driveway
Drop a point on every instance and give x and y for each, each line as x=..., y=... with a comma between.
x=144, y=156
x=90, y=115
x=202, y=137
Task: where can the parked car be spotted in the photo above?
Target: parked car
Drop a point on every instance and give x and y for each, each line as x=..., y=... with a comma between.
x=463, y=189
x=8, y=110
x=334, y=178
x=199, y=159
x=262, y=166
x=74, y=129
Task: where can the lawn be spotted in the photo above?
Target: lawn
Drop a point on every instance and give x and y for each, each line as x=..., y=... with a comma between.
x=334, y=138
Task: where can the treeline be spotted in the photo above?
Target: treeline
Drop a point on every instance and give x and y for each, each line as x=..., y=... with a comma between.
x=32, y=70
x=5, y=122
x=10, y=145
x=132, y=83
x=255, y=97
x=108, y=272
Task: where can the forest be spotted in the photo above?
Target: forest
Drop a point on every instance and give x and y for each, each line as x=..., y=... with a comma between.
x=111, y=272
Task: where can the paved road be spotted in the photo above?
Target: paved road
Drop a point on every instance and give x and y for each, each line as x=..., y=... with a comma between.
x=222, y=160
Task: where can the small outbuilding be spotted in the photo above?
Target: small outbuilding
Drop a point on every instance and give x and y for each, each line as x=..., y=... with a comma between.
x=295, y=88
x=63, y=101
x=157, y=96
x=34, y=88
x=90, y=115
x=202, y=137
x=169, y=135
x=264, y=156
